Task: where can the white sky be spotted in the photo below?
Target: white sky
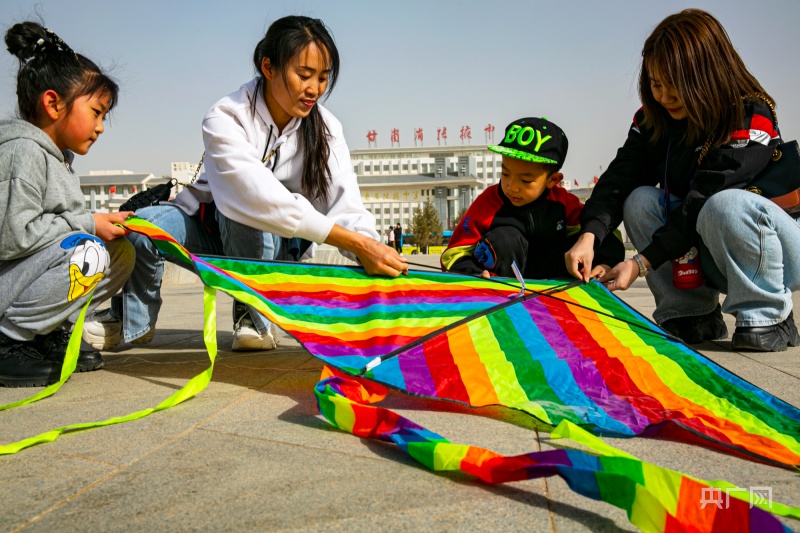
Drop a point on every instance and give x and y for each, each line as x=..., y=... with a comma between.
x=405, y=65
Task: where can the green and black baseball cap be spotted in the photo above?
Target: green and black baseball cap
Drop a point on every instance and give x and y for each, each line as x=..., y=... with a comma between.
x=534, y=139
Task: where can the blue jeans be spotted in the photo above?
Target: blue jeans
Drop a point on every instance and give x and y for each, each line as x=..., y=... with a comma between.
x=141, y=299
x=751, y=252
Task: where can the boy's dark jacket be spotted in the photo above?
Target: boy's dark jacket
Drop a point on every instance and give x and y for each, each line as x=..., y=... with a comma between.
x=640, y=162
x=550, y=222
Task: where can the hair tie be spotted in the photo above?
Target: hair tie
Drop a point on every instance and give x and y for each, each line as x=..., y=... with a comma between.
x=52, y=43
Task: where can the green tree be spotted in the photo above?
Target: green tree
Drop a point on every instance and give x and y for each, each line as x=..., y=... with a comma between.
x=426, y=227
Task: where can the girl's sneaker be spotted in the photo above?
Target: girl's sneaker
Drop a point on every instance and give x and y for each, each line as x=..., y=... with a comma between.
x=53, y=347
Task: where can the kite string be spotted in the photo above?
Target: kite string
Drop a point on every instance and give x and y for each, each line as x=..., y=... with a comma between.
x=565, y=287
x=532, y=294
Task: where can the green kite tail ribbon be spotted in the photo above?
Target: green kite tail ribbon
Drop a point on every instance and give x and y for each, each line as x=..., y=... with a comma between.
x=193, y=387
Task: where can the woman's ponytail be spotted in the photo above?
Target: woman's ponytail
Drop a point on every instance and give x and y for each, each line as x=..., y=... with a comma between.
x=316, y=172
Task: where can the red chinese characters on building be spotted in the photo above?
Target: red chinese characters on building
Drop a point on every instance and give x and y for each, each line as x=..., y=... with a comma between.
x=489, y=133
x=371, y=136
x=441, y=134
x=418, y=134
x=466, y=133
x=395, y=136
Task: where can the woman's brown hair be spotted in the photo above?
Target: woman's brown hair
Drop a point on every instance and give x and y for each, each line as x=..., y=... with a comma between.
x=692, y=52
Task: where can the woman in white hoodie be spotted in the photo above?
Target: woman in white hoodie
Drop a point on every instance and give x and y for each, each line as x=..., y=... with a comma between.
x=277, y=179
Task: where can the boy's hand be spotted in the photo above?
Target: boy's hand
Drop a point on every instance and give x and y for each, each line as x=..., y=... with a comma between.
x=599, y=271
x=105, y=225
x=579, y=258
x=621, y=276
x=485, y=274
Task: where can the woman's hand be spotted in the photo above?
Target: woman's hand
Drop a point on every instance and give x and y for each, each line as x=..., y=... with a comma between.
x=579, y=258
x=376, y=258
x=105, y=225
x=621, y=276
x=379, y=259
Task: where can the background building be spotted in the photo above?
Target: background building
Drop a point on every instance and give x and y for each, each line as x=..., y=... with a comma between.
x=105, y=190
x=396, y=181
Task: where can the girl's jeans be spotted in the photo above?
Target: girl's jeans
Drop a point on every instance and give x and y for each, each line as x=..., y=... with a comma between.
x=751, y=253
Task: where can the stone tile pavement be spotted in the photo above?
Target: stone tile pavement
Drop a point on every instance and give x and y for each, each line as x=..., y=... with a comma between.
x=250, y=453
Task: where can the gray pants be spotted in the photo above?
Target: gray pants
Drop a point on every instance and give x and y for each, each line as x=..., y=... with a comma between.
x=48, y=289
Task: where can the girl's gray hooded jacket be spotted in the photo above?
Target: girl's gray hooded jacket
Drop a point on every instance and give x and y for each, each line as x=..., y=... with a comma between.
x=40, y=197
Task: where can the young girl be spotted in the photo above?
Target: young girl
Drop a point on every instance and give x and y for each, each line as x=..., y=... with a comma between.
x=706, y=130
x=52, y=251
x=278, y=171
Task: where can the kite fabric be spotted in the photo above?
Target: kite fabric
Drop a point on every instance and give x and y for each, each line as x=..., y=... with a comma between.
x=580, y=355
x=655, y=499
x=568, y=355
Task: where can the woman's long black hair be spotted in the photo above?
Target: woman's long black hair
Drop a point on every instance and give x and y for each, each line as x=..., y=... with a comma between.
x=286, y=38
x=47, y=63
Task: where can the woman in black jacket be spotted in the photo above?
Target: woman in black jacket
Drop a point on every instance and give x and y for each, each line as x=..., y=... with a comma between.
x=705, y=131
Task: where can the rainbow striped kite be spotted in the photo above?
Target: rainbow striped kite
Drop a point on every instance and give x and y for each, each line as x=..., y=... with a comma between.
x=580, y=355
x=573, y=356
x=655, y=499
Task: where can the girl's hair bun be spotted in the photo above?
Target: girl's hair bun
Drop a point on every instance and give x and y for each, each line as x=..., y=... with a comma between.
x=22, y=39
x=47, y=63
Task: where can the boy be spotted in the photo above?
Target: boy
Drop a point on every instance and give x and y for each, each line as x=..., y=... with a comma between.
x=526, y=218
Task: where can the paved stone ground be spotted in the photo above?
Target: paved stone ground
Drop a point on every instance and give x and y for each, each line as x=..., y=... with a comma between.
x=250, y=453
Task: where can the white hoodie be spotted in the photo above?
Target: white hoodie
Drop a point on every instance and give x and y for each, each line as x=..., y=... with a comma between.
x=249, y=191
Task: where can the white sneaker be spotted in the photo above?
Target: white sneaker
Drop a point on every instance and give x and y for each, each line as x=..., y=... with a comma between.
x=104, y=332
x=246, y=337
